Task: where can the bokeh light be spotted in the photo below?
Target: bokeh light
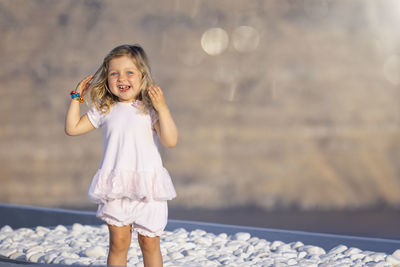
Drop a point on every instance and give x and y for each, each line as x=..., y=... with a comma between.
x=245, y=39
x=214, y=41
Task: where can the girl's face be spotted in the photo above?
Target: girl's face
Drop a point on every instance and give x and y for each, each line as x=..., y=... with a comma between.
x=124, y=78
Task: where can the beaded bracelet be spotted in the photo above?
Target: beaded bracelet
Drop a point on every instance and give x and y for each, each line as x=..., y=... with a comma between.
x=77, y=96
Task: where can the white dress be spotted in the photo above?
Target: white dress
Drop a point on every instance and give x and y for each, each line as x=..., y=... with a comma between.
x=131, y=166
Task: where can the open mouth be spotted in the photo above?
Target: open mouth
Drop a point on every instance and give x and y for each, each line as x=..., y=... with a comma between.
x=123, y=88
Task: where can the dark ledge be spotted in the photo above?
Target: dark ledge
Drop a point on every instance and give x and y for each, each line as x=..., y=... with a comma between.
x=18, y=216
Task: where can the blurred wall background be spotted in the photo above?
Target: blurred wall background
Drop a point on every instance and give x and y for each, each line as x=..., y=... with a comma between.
x=280, y=104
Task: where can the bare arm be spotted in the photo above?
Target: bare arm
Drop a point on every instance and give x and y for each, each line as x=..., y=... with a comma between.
x=75, y=124
x=165, y=126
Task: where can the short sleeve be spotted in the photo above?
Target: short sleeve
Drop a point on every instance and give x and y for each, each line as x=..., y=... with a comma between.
x=153, y=116
x=95, y=116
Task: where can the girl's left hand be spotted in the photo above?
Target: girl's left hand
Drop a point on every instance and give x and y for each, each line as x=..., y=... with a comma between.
x=157, y=97
x=84, y=85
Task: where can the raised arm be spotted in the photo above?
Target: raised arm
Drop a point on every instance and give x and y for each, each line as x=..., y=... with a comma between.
x=165, y=126
x=75, y=124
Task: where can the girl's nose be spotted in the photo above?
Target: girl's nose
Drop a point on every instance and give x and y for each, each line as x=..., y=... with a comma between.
x=121, y=77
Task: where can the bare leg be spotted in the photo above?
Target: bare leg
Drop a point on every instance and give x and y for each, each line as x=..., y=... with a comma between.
x=120, y=240
x=151, y=251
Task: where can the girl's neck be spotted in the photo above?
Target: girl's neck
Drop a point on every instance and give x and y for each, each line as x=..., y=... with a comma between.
x=128, y=101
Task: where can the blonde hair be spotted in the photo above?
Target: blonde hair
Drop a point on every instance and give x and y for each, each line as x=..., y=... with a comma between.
x=100, y=94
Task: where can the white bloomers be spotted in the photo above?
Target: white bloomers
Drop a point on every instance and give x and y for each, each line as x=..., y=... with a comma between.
x=148, y=217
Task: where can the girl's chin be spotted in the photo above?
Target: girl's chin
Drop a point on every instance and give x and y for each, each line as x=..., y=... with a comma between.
x=126, y=100
x=127, y=97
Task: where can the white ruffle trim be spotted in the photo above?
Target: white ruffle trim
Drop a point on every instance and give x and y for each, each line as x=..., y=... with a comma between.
x=138, y=185
x=112, y=221
x=147, y=233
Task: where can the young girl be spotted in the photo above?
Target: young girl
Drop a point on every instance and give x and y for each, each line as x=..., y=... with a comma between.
x=131, y=186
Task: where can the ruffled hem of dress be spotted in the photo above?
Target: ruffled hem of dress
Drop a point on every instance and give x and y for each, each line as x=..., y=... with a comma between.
x=137, y=185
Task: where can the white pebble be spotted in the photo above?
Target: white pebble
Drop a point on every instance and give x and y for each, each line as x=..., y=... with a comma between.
x=283, y=248
x=338, y=249
x=190, y=252
x=276, y=244
x=301, y=254
x=36, y=257
x=253, y=240
x=289, y=255
x=189, y=245
x=210, y=263
x=367, y=259
x=238, y=252
x=280, y=261
x=17, y=238
x=197, y=232
x=352, y=251
x=49, y=257
x=61, y=228
x=87, y=261
x=396, y=253
x=393, y=260
x=244, y=255
x=133, y=252
x=307, y=262
x=176, y=255
x=7, y=252
x=58, y=259
x=40, y=229
x=96, y=252
x=313, y=250
x=35, y=249
x=204, y=241
x=68, y=261
x=233, y=245
x=224, y=258
x=179, y=230
x=261, y=254
x=378, y=257
x=262, y=243
x=66, y=254
x=29, y=254
x=17, y=256
x=6, y=229
x=249, y=249
x=77, y=228
x=357, y=256
x=242, y=236
x=223, y=235
x=6, y=240
x=295, y=245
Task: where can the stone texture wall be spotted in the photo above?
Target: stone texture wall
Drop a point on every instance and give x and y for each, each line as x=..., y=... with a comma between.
x=302, y=111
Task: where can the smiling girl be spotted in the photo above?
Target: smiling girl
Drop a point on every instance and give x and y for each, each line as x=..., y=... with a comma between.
x=131, y=186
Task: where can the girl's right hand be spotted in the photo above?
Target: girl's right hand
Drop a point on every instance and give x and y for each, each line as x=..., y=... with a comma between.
x=83, y=85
